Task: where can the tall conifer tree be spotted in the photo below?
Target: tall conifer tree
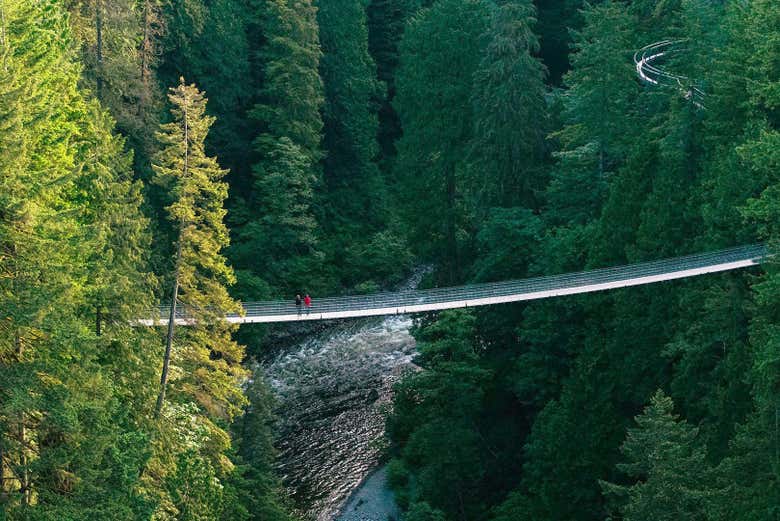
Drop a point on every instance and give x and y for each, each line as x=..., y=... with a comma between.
x=200, y=386
x=118, y=68
x=510, y=112
x=277, y=244
x=440, y=51
x=208, y=361
x=668, y=465
x=355, y=188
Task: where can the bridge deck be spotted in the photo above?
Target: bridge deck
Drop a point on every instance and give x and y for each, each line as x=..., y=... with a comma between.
x=417, y=301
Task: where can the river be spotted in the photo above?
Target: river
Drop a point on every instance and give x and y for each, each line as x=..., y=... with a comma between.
x=333, y=390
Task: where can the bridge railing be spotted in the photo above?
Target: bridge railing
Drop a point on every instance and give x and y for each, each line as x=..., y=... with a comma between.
x=404, y=299
x=647, y=56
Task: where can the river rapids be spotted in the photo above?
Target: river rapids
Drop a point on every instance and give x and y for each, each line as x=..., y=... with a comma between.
x=332, y=392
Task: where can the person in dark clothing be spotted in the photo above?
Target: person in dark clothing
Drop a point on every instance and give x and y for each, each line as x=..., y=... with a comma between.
x=307, y=303
x=298, y=303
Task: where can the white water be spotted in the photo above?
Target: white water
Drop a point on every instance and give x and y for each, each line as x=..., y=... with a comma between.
x=332, y=390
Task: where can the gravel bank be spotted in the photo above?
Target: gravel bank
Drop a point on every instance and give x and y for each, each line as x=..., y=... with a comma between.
x=372, y=501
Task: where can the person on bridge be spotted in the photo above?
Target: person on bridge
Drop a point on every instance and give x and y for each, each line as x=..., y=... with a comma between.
x=307, y=303
x=298, y=302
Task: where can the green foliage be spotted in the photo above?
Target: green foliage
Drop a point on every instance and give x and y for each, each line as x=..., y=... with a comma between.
x=746, y=485
x=436, y=417
x=255, y=447
x=349, y=76
x=291, y=96
x=194, y=489
x=207, y=360
x=383, y=259
x=203, y=359
x=386, y=20
x=356, y=205
x=278, y=231
x=208, y=43
x=118, y=43
x=667, y=466
x=510, y=112
x=72, y=437
x=597, y=129
x=641, y=172
x=283, y=239
x=440, y=52
x=506, y=241
x=422, y=511
x=358, y=132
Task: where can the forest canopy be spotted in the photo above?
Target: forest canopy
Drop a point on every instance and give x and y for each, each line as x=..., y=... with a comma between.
x=207, y=152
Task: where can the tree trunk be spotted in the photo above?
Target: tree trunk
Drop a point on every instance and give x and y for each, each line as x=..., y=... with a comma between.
x=25, y=477
x=98, y=321
x=146, y=45
x=452, y=246
x=169, y=338
x=3, y=41
x=99, y=47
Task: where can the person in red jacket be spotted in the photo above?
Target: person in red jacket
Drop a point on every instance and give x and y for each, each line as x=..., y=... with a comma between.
x=307, y=303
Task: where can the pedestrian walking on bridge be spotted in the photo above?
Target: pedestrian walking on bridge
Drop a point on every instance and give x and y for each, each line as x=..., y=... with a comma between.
x=307, y=303
x=298, y=303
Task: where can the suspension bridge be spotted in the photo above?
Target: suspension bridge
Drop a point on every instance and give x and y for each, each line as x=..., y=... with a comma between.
x=473, y=295
x=647, y=61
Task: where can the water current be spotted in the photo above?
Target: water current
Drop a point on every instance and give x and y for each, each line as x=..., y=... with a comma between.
x=333, y=390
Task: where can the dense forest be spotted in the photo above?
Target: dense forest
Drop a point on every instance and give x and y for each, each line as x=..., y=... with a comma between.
x=200, y=153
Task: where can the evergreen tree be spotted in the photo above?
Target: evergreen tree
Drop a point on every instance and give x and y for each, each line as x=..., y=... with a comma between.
x=256, y=450
x=207, y=42
x=596, y=135
x=423, y=512
x=572, y=442
x=641, y=172
x=357, y=210
x=761, y=155
x=726, y=183
x=290, y=122
x=746, y=485
x=509, y=110
x=200, y=386
x=291, y=96
x=117, y=47
x=355, y=195
x=207, y=360
x=435, y=419
x=68, y=446
x=664, y=456
x=282, y=242
x=440, y=52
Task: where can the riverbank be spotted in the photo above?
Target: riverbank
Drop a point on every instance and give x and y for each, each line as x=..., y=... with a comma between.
x=372, y=501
